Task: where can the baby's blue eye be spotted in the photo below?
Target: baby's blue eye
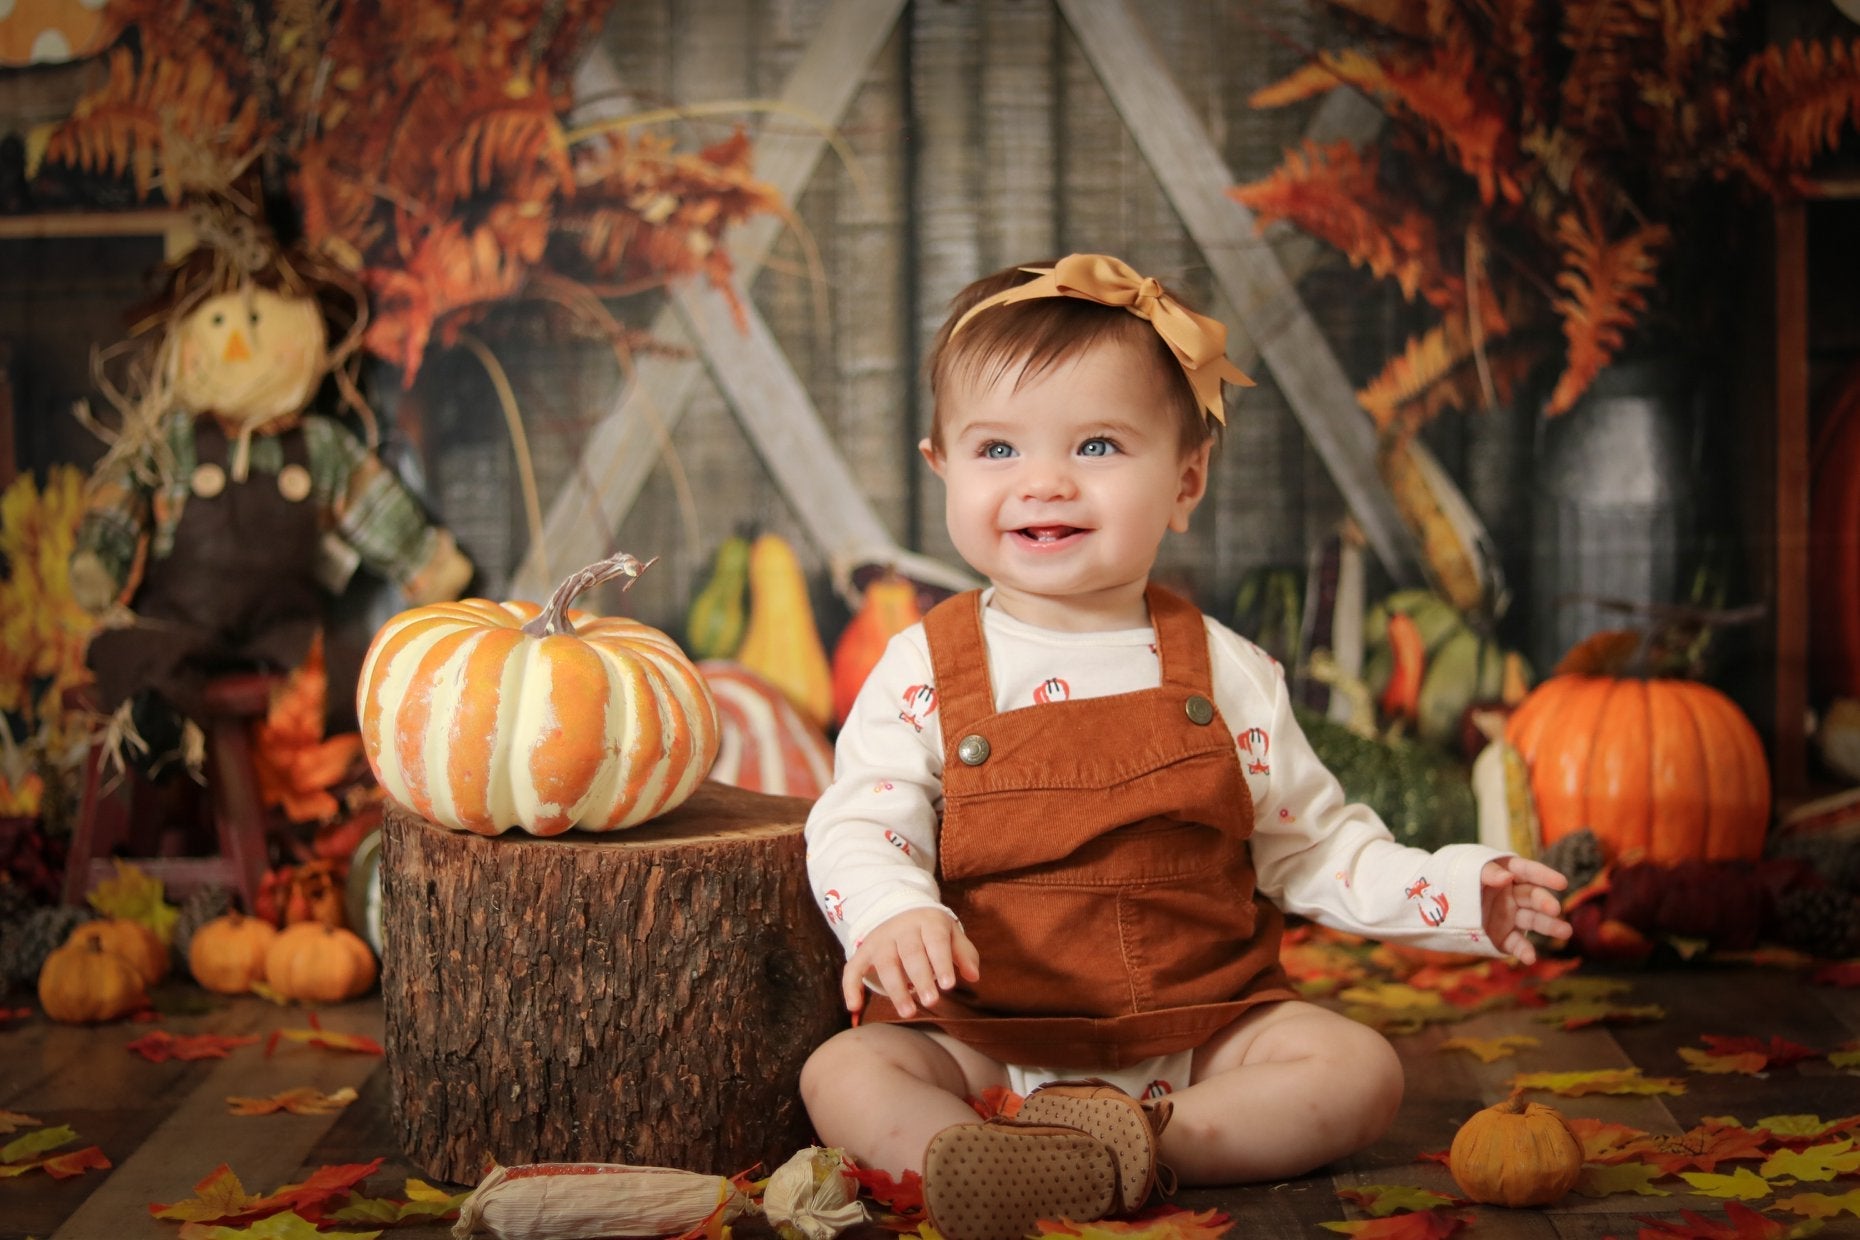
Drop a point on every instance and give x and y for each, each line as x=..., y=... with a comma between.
x=995, y=450
x=1097, y=447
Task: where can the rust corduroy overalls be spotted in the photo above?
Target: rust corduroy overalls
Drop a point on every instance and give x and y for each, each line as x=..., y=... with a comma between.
x=1095, y=851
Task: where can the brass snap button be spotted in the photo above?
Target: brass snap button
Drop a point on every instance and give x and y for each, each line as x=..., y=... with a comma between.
x=1200, y=710
x=973, y=750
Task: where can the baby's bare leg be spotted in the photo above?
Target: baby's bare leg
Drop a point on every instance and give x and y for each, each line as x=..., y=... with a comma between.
x=880, y=1092
x=1283, y=1090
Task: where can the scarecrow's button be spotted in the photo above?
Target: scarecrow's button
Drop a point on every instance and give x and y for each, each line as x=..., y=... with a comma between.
x=207, y=480
x=294, y=483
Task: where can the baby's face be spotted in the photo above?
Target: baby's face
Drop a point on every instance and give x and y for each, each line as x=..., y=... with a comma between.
x=1060, y=492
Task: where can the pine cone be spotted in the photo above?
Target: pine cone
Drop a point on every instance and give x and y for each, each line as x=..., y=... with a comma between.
x=1577, y=857
x=24, y=945
x=1821, y=920
x=15, y=901
x=202, y=905
x=1836, y=859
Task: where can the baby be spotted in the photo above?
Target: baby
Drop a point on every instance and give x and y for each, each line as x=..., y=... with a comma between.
x=1069, y=811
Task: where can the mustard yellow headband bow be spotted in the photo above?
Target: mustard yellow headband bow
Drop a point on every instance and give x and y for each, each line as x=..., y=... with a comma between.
x=1198, y=342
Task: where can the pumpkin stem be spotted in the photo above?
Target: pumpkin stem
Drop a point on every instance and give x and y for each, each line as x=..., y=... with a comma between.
x=553, y=618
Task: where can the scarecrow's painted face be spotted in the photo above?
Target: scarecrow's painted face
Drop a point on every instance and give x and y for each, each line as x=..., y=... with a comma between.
x=251, y=355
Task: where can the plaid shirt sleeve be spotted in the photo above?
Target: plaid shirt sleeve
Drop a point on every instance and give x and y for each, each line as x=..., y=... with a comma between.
x=139, y=498
x=368, y=506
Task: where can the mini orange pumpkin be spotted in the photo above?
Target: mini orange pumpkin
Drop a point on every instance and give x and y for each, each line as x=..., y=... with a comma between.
x=83, y=983
x=887, y=608
x=228, y=953
x=1516, y=1153
x=315, y=963
x=1668, y=768
x=484, y=716
x=131, y=940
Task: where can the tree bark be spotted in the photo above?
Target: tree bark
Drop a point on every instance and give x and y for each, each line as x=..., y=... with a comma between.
x=644, y=996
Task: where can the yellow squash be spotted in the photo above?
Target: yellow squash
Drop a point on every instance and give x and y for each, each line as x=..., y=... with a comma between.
x=782, y=644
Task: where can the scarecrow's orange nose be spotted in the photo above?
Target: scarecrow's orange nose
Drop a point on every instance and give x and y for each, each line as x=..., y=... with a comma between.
x=237, y=350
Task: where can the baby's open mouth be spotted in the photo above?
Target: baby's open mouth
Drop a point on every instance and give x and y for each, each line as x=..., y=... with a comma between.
x=1048, y=533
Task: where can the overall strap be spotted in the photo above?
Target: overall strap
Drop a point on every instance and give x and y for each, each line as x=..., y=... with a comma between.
x=1181, y=640
x=959, y=661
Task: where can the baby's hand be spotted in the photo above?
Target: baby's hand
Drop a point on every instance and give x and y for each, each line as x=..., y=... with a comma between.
x=922, y=951
x=1518, y=899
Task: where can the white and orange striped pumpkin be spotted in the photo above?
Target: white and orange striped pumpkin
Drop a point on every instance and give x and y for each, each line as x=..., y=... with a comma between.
x=767, y=745
x=484, y=716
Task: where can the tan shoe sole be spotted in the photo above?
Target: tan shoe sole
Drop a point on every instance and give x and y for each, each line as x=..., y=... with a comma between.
x=996, y=1181
x=1115, y=1119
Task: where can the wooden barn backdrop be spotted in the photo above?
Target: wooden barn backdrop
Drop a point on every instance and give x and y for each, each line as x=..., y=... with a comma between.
x=920, y=145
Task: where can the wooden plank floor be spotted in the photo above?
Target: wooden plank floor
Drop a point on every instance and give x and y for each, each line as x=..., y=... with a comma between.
x=165, y=1126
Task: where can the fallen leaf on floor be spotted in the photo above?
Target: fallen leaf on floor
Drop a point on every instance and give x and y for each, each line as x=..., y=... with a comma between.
x=1604, y=1180
x=33, y=1152
x=1810, y=1128
x=300, y=1101
x=8, y=1015
x=902, y=1199
x=1432, y=1225
x=1743, y=1184
x=1820, y=1205
x=1599, y=1081
x=1814, y=1164
x=1381, y=1200
x=13, y=1121
x=160, y=1046
x=1164, y=1222
x=1606, y=1142
x=135, y=894
x=286, y=1226
x=327, y=1039
x=1742, y=1223
x=1846, y=1055
x=221, y=1198
x=1491, y=1050
x=997, y=1100
x=1749, y=1056
x=1702, y=1148
x=1484, y=984
x=423, y=1203
x=1584, y=1013
x=1592, y=989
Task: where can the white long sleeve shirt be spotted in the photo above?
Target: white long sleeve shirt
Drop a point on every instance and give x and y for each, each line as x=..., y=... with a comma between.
x=872, y=836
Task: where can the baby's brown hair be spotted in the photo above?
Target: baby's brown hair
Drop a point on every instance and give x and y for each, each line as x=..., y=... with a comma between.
x=1034, y=336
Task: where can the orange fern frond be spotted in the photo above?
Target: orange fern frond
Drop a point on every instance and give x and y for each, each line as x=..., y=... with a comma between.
x=1809, y=93
x=1333, y=194
x=451, y=271
x=1444, y=93
x=1605, y=283
x=1602, y=37
x=129, y=125
x=1320, y=76
x=1442, y=370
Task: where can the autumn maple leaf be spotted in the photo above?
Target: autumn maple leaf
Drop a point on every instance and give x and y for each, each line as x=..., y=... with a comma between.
x=1741, y=1223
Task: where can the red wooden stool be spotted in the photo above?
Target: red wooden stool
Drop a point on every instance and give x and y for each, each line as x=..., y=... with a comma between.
x=123, y=818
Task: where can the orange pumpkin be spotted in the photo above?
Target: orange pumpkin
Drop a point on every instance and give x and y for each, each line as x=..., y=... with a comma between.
x=484, y=716
x=227, y=954
x=886, y=608
x=131, y=940
x=315, y=963
x=1670, y=769
x=1516, y=1154
x=83, y=982
x=765, y=744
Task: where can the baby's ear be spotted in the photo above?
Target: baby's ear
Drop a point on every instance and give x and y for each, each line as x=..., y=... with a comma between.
x=932, y=456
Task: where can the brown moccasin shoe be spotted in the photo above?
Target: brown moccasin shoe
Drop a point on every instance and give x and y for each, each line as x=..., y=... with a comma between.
x=996, y=1181
x=1129, y=1128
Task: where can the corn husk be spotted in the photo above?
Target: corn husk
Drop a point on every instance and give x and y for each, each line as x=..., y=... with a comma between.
x=575, y=1201
x=813, y=1196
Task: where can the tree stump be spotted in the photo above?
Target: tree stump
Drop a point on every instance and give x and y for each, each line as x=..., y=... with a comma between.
x=644, y=996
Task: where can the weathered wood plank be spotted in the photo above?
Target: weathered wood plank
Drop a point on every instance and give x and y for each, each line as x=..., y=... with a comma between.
x=621, y=450
x=1265, y=302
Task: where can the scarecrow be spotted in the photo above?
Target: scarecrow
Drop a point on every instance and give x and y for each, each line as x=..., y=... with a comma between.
x=226, y=513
